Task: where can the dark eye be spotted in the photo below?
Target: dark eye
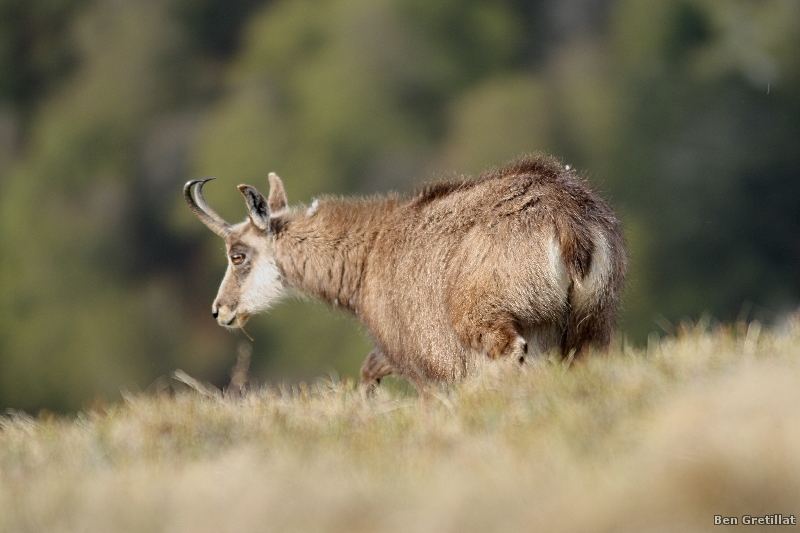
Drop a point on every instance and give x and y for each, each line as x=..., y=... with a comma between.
x=237, y=259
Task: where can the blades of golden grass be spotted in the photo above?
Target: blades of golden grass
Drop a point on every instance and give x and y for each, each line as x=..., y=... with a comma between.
x=699, y=424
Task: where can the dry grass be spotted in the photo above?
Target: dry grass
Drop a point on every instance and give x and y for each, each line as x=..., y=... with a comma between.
x=704, y=423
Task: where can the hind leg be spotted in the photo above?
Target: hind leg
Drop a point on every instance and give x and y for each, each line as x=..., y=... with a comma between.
x=375, y=367
x=500, y=338
x=588, y=328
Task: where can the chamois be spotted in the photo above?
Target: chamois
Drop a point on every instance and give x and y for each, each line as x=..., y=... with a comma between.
x=520, y=261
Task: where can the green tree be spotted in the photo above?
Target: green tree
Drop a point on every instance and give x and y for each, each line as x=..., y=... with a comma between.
x=77, y=322
x=683, y=112
x=709, y=123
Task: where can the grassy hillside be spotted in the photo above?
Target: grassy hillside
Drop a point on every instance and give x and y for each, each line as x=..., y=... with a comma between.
x=700, y=424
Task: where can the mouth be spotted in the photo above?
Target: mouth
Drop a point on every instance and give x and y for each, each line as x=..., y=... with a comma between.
x=238, y=321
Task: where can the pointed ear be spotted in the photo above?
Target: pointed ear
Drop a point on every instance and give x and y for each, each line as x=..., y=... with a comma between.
x=256, y=206
x=277, y=195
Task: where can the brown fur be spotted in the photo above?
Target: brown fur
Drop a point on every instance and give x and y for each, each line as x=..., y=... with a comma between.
x=519, y=261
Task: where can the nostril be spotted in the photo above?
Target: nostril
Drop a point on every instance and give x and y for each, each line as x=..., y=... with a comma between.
x=215, y=313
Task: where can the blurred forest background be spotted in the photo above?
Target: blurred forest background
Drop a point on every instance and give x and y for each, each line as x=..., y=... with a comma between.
x=685, y=113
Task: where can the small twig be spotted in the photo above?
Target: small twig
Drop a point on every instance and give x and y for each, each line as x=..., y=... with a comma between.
x=198, y=386
x=246, y=334
x=239, y=377
x=568, y=361
x=751, y=339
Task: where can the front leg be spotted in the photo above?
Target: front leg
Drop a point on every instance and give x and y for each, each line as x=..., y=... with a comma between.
x=375, y=366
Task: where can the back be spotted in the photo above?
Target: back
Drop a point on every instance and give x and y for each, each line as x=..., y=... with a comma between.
x=506, y=250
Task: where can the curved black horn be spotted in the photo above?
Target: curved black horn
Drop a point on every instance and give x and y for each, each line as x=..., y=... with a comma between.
x=202, y=210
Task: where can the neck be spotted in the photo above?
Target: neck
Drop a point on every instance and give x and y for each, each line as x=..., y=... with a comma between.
x=322, y=251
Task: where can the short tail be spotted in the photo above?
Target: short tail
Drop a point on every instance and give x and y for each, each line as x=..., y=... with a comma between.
x=577, y=246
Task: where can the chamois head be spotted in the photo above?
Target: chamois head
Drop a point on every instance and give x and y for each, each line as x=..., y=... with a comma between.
x=252, y=282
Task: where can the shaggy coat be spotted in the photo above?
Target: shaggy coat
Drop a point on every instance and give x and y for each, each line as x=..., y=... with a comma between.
x=520, y=261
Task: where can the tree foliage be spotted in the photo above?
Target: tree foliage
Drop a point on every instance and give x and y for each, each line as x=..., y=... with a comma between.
x=683, y=112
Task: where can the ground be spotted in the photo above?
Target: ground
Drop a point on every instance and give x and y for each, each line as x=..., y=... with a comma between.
x=701, y=424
